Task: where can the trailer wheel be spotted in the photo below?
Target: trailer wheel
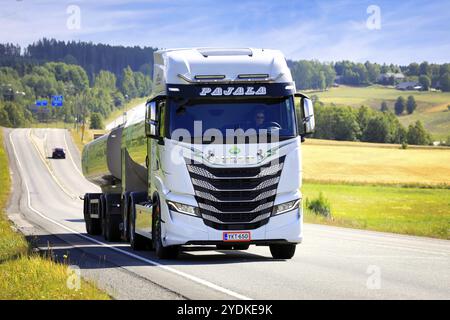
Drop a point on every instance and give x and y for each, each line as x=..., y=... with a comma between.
x=111, y=221
x=137, y=241
x=282, y=251
x=162, y=252
x=93, y=226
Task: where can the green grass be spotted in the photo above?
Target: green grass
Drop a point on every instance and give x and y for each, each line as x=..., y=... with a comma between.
x=118, y=112
x=413, y=211
x=11, y=244
x=36, y=278
x=431, y=106
x=24, y=274
x=89, y=134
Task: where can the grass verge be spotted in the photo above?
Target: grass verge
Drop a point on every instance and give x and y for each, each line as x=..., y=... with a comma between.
x=89, y=134
x=27, y=275
x=412, y=211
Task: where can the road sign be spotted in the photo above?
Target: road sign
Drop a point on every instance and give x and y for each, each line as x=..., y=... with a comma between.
x=57, y=101
x=41, y=103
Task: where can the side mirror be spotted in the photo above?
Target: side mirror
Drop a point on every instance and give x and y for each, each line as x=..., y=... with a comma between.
x=151, y=120
x=308, y=116
x=305, y=115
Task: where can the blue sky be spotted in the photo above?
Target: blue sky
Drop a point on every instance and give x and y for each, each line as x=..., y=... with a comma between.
x=323, y=30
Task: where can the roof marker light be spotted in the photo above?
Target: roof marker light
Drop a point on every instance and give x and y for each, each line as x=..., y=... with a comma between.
x=253, y=76
x=209, y=77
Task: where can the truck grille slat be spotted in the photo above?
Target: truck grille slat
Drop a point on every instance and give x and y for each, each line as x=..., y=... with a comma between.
x=235, y=198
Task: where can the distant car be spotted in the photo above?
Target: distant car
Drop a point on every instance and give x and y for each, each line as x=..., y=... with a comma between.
x=58, y=153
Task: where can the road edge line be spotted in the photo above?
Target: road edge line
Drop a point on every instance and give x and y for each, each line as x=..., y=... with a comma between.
x=148, y=261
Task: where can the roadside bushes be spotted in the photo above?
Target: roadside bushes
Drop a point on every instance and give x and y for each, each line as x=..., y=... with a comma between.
x=319, y=206
x=366, y=125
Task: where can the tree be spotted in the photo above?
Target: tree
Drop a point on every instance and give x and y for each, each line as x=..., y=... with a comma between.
x=411, y=104
x=384, y=107
x=377, y=130
x=413, y=69
x=96, y=121
x=424, y=68
x=445, y=82
x=399, y=106
x=417, y=134
x=128, y=85
x=336, y=123
x=425, y=82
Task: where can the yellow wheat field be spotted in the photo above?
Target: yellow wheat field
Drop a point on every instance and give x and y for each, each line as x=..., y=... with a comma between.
x=353, y=162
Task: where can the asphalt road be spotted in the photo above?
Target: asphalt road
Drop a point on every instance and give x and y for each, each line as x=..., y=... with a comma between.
x=331, y=263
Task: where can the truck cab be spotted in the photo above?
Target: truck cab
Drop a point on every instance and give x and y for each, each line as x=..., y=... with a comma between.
x=223, y=132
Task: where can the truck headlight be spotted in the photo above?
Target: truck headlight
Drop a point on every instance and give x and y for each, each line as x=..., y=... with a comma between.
x=183, y=208
x=286, y=207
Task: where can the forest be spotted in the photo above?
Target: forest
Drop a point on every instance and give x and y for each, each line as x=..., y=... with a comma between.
x=95, y=79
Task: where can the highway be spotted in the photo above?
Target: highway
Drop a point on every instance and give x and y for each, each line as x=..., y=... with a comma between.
x=331, y=263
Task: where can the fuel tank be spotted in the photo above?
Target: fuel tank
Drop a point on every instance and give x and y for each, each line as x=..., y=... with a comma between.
x=101, y=159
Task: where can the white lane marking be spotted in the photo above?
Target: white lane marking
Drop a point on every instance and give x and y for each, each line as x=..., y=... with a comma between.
x=70, y=154
x=149, y=261
x=71, y=195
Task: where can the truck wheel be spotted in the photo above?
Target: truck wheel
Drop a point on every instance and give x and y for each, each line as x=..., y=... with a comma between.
x=282, y=251
x=93, y=226
x=137, y=242
x=161, y=251
x=111, y=221
x=112, y=232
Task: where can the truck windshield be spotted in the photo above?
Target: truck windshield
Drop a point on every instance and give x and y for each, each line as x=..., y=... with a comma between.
x=203, y=119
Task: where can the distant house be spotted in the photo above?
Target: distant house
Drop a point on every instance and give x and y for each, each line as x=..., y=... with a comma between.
x=409, y=85
x=386, y=77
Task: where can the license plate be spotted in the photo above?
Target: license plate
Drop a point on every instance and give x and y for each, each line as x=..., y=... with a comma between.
x=236, y=236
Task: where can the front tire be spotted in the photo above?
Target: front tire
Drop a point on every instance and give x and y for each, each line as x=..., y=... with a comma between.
x=162, y=252
x=282, y=251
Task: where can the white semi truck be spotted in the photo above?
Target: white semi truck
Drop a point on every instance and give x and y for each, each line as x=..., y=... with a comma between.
x=215, y=159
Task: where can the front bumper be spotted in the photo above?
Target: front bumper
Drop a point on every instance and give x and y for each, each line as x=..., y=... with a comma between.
x=181, y=229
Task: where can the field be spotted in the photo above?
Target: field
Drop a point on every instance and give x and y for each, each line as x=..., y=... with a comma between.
x=413, y=211
x=24, y=274
x=357, y=162
x=431, y=106
x=380, y=187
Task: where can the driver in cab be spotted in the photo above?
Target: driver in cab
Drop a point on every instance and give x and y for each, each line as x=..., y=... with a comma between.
x=260, y=118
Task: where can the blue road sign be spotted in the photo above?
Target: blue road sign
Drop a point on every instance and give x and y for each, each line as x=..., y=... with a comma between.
x=41, y=103
x=57, y=101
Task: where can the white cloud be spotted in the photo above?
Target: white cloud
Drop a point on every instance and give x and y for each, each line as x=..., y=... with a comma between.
x=327, y=31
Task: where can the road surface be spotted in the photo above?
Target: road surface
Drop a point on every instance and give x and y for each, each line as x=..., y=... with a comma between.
x=331, y=263
x=133, y=112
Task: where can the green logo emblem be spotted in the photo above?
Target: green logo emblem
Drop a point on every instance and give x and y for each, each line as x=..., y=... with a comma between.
x=235, y=150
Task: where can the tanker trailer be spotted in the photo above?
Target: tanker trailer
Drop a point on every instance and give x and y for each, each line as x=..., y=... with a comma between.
x=171, y=177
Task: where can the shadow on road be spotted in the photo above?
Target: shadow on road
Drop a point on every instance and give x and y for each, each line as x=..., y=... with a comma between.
x=71, y=249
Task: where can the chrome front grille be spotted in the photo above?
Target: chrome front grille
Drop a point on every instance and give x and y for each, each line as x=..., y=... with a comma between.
x=235, y=198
